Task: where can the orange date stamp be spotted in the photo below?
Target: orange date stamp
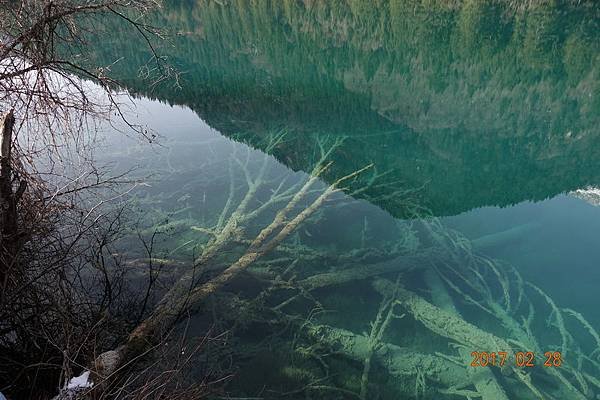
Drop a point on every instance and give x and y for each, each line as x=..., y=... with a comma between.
x=521, y=359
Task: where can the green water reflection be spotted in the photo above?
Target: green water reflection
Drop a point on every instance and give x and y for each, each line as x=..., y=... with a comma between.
x=476, y=104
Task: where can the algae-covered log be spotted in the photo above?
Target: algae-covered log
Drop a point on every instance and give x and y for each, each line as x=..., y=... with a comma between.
x=482, y=378
x=451, y=326
x=498, y=290
x=455, y=328
x=398, y=361
x=504, y=238
x=402, y=263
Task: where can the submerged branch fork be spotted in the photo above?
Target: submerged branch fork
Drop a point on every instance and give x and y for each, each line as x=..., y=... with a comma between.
x=168, y=310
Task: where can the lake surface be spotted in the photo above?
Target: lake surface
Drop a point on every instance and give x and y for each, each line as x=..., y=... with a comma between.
x=454, y=134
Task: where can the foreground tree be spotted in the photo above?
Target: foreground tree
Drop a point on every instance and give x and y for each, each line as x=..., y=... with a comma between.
x=54, y=233
x=10, y=239
x=43, y=61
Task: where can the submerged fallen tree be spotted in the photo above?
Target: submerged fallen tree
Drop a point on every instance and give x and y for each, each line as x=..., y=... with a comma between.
x=498, y=290
x=186, y=295
x=457, y=276
x=484, y=285
x=300, y=201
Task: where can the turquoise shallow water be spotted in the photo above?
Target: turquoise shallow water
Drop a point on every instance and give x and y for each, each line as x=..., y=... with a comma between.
x=474, y=123
x=557, y=252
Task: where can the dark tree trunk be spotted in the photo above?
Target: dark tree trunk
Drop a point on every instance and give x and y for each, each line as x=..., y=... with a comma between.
x=9, y=198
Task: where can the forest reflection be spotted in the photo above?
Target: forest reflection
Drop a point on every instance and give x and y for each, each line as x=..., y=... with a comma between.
x=481, y=99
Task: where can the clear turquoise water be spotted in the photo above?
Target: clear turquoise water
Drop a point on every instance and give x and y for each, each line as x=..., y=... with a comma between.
x=481, y=117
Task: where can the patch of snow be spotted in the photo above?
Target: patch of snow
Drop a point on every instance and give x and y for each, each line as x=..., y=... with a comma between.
x=590, y=194
x=80, y=382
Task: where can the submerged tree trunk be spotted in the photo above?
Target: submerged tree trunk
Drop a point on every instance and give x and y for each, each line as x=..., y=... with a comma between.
x=483, y=379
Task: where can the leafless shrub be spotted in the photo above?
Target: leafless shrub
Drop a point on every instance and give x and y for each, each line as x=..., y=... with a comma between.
x=65, y=293
x=178, y=369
